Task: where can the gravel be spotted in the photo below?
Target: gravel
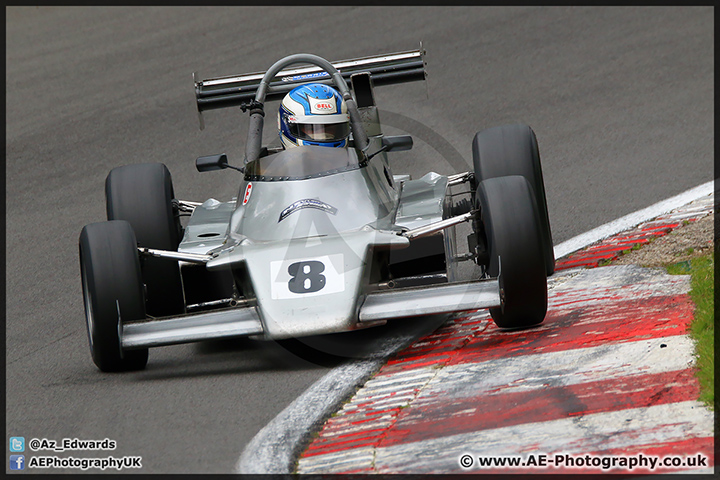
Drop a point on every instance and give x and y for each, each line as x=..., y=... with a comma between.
x=682, y=244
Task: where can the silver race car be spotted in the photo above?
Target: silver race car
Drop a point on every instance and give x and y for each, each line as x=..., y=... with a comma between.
x=318, y=240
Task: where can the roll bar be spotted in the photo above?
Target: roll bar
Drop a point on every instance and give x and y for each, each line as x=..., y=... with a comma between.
x=254, y=139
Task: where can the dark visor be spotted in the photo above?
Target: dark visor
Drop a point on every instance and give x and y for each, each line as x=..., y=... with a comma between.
x=318, y=132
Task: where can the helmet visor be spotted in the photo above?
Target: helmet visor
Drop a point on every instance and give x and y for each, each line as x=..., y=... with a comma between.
x=314, y=132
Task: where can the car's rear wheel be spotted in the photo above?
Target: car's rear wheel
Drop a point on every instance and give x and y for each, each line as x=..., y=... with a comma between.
x=515, y=252
x=142, y=194
x=513, y=150
x=112, y=292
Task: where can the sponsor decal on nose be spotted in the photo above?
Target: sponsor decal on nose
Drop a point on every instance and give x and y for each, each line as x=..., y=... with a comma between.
x=248, y=191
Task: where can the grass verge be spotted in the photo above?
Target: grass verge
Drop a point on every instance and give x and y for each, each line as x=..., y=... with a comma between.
x=702, y=329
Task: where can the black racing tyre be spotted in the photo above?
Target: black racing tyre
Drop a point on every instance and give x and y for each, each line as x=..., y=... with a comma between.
x=511, y=224
x=142, y=194
x=112, y=292
x=513, y=150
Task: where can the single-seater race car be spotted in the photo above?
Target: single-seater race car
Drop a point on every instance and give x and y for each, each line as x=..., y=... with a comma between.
x=318, y=240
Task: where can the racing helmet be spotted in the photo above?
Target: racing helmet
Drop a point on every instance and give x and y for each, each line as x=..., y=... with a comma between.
x=313, y=114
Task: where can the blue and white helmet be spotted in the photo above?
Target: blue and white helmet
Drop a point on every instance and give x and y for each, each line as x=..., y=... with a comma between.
x=313, y=114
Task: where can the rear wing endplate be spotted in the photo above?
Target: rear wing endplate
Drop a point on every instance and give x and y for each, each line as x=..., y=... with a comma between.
x=388, y=69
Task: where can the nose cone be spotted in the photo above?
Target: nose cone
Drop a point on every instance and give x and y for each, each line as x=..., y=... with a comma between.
x=308, y=286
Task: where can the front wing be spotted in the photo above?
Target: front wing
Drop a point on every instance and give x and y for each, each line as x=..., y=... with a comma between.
x=376, y=307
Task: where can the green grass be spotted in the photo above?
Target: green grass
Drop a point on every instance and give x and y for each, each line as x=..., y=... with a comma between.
x=702, y=329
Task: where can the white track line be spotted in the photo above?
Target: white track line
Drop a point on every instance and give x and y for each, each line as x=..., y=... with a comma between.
x=272, y=450
x=632, y=220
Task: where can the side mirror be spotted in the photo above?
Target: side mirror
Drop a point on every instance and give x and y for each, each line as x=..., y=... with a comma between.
x=211, y=162
x=397, y=143
x=214, y=162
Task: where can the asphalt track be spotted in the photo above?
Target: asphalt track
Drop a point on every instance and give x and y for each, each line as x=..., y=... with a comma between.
x=621, y=100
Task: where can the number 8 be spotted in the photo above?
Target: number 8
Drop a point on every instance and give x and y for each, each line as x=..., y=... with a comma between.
x=306, y=277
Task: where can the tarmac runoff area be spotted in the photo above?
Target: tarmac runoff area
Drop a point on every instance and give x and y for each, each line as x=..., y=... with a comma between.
x=604, y=385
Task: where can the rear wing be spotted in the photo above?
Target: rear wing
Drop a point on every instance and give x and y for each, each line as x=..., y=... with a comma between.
x=237, y=90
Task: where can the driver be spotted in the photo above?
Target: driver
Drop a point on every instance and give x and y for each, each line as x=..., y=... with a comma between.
x=313, y=114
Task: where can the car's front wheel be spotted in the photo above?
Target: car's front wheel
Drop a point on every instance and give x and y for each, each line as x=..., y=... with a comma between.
x=515, y=250
x=112, y=292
